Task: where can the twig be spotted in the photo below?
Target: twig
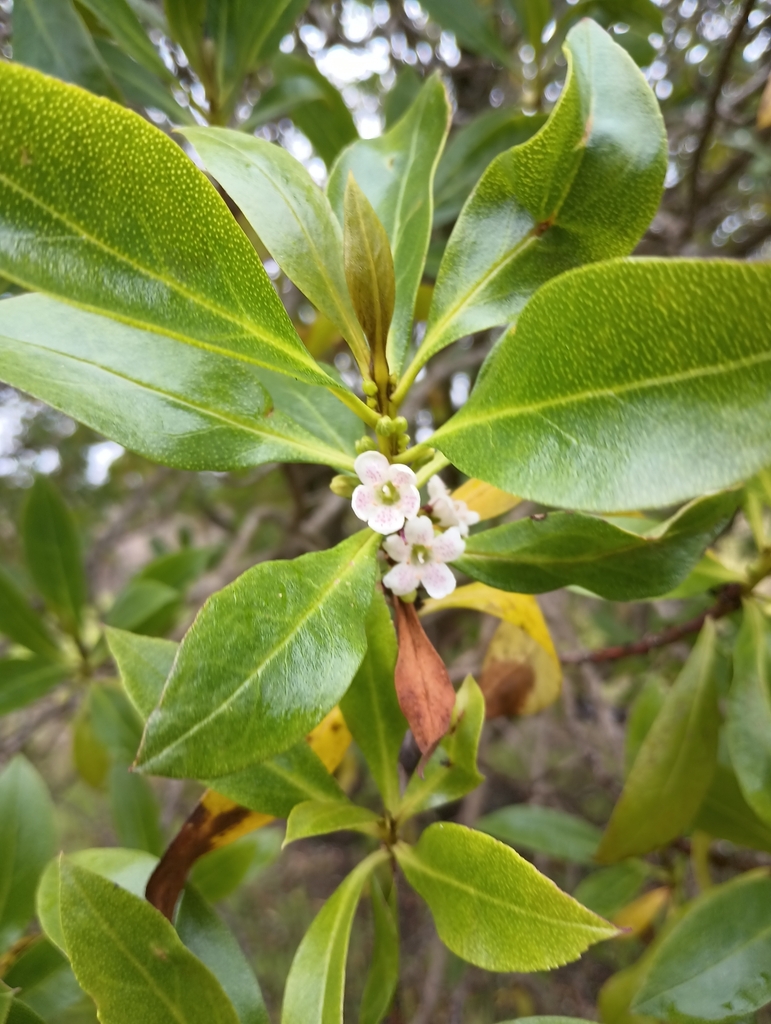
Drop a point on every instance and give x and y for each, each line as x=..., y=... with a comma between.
x=729, y=600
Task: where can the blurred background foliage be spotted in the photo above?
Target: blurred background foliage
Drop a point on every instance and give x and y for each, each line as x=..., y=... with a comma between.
x=311, y=77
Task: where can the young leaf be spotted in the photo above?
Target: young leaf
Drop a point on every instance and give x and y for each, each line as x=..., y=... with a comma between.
x=27, y=843
x=673, y=770
x=383, y=974
x=491, y=907
x=559, y=200
x=543, y=830
x=225, y=704
x=423, y=687
x=370, y=707
x=116, y=219
x=19, y=622
x=620, y=368
x=725, y=814
x=23, y=680
x=560, y=549
x=452, y=770
x=130, y=960
x=176, y=403
x=749, y=711
x=320, y=818
x=291, y=215
x=204, y=934
x=396, y=172
x=314, y=988
x=714, y=962
x=52, y=547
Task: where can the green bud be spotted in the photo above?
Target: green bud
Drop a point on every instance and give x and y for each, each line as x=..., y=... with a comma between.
x=372, y=403
x=369, y=387
x=343, y=485
x=400, y=425
x=365, y=444
x=384, y=426
x=409, y=598
x=402, y=443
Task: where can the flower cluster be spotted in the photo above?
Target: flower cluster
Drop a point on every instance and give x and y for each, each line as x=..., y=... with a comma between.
x=387, y=499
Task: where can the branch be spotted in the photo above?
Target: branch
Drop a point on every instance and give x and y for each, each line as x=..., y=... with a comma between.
x=729, y=601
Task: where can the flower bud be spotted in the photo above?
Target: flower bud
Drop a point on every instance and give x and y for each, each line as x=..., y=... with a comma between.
x=365, y=444
x=369, y=387
x=384, y=426
x=343, y=485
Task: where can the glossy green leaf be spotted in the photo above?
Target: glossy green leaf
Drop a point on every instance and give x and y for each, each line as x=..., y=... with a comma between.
x=14, y=1011
x=559, y=549
x=619, y=369
x=104, y=210
x=396, y=173
x=126, y=29
x=559, y=200
x=178, y=569
x=114, y=720
x=318, y=412
x=714, y=963
x=144, y=663
x=319, y=818
x=314, y=988
x=370, y=707
x=642, y=715
x=27, y=842
x=289, y=212
x=543, y=830
x=492, y=907
x=52, y=547
x=469, y=22
x=44, y=981
x=383, y=974
x=142, y=604
x=19, y=622
x=452, y=770
x=186, y=20
x=50, y=35
x=226, y=703
x=24, y=680
x=176, y=403
x=141, y=88
x=608, y=890
x=128, y=958
x=749, y=711
x=134, y=810
x=673, y=770
x=725, y=814
x=205, y=935
x=470, y=150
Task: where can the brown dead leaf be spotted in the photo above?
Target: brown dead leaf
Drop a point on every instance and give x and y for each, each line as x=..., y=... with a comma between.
x=426, y=695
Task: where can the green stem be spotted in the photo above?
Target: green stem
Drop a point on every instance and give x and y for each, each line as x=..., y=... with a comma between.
x=408, y=378
x=436, y=464
x=355, y=404
x=417, y=452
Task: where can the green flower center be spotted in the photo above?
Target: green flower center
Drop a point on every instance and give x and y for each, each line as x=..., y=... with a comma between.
x=389, y=493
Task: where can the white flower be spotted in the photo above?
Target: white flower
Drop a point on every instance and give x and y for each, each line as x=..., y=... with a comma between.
x=420, y=558
x=387, y=494
x=448, y=512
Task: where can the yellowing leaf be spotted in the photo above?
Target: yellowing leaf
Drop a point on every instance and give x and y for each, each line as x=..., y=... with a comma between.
x=485, y=499
x=636, y=917
x=764, y=108
x=330, y=739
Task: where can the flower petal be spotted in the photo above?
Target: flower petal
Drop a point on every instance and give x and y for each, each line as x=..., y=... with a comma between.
x=401, y=476
x=449, y=545
x=437, y=488
x=397, y=548
x=409, y=501
x=364, y=501
x=386, y=519
x=444, y=511
x=372, y=468
x=438, y=580
x=403, y=578
x=420, y=531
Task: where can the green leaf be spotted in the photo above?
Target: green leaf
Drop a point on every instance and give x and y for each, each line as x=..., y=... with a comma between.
x=620, y=369
x=543, y=830
x=749, y=711
x=559, y=200
x=470, y=150
x=318, y=412
x=289, y=212
x=320, y=818
x=673, y=770
x=714, y=962
x=314, y=988
x=383, y=974
x=23, y=680
x=50, y=35
x=178, y=569
x=226, y=703
x=725, y=814
x=219, y=872
x=641, y=717
x=560, y=549
x=114, y=720
x=134, y=810
x=176, y=403
x=370, y=707
x=186, y=19
x=19, y=622
x=43, y=979
x=608, y=890
x=143, y=604
x=140, y=87
x=547, y=1020
x=282, y=99
x=126, y=29
x=466, y=19
x=52, y=547
x=116, y=219
x=119, y=944
x=491, y=907
x=144, y=663
x=27, y=842
x=452, y=769
x=204, y=934
x=396, y=173
x=401, y=95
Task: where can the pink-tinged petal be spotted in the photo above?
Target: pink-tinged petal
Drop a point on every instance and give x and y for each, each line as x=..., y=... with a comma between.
x=364, y=502
x=444, y=512
x=402, y=579
x=449, y=545
x=409, y=502
x=371, y=468
x=438, y=580
x=397, y=548
x=386, y=519
x=420, y=531
x=437, y=488
x=401, y=476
